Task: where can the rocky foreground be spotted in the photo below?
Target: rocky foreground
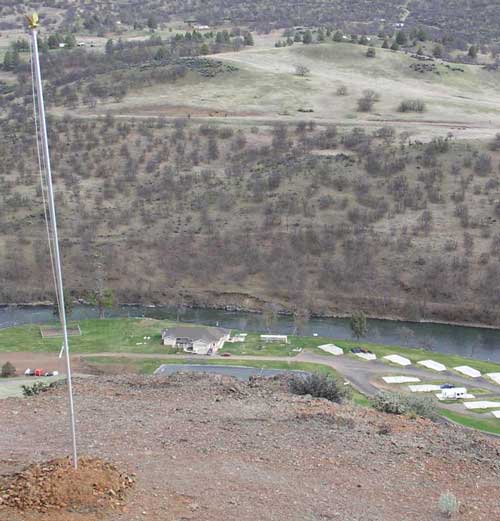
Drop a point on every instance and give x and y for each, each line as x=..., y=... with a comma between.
x=211, y=448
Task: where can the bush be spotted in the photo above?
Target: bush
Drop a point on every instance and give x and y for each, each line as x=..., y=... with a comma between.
x=412, y=105
x=395, y=403
x=371, y=53
x=319, y=386
x=448, y=504
x=365, y=104
x=8, y=370
x=342, y=91
x=36, y=388
x=302, y=70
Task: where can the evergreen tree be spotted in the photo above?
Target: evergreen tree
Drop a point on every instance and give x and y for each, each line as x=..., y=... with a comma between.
x=307, y=39
x=70, y=41
x=358, y=324
x=473, y=52
x=152, y=23
x=338, y=36
x=395, y=46
x=109, y=47
x=401, y=38
x=248, y=39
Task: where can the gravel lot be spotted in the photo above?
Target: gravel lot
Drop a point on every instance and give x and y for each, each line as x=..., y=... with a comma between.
x=213, y=448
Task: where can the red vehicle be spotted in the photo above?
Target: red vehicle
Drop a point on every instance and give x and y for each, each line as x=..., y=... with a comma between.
x=39, y=372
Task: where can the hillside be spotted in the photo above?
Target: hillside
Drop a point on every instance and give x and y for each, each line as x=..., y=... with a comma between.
x=222, y=449
x=201, y=169
x=460, y=22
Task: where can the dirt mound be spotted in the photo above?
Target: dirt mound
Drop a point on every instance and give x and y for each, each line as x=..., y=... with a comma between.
x=56, y=484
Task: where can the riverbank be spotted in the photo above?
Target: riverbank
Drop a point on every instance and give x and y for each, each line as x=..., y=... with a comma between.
x=143, y=336
x=281, y=313
x=480, y=343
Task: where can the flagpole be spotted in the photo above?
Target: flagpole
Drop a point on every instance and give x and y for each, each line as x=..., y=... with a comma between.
x=33, y=23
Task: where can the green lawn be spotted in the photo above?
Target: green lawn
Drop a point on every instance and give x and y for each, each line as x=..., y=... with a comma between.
x=110, y=335
x=126, y=335
x=491, y=425
x=415, y=355
x=255, y=347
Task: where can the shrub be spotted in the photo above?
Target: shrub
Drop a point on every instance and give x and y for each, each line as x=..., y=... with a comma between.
x=412, y=105
x=342, y=91
x=395, y=403
x=370, y=52
x=302, y=70
x=36, y=388
x=319, y=386
x=365, y=104
x=8, y=370
x=448, y=504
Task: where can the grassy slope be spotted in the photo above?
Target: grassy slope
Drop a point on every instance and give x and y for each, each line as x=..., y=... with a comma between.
x=266, y=86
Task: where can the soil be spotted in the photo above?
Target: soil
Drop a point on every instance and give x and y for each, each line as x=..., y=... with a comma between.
x=210, y=448
x=47, y=361
x=56, y=485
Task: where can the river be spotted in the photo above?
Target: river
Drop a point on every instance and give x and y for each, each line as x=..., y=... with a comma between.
x=481, y=343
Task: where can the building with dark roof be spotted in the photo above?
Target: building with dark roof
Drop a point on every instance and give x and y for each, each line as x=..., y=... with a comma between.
x=201, y=340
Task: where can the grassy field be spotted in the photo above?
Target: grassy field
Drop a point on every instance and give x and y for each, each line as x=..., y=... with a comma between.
x=126, y=335
x=266, y=88
x=110, y=335
x=491, y=425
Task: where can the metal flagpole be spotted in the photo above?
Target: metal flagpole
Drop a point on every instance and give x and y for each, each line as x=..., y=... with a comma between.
x=33, y=24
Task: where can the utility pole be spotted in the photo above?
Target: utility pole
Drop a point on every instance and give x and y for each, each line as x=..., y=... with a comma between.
x=33, y=24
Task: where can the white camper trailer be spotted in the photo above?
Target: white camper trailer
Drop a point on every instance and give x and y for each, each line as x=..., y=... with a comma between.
x=455, y=393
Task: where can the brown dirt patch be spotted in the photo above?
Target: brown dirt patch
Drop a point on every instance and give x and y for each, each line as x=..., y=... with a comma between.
x=56, y=485
x=209, y=448
x=47, y=361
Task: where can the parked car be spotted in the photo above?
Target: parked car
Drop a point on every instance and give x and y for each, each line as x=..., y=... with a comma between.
x=225, y=354
x=356, y=350
x=447, y=386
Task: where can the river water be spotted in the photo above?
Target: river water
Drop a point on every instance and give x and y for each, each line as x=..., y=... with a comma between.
x=472, y=342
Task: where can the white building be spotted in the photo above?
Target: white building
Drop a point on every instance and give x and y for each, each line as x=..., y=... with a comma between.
x=279, y=339
x=200, y=340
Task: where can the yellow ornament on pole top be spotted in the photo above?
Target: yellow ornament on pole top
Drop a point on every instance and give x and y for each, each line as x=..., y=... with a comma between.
x=33, y=20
